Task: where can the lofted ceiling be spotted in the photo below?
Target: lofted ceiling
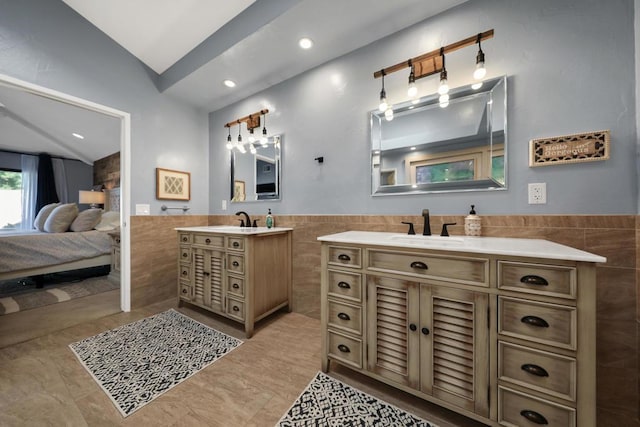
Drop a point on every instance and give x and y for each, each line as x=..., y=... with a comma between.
x=194, y=45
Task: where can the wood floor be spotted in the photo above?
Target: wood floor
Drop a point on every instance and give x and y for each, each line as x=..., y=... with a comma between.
x=42, y=382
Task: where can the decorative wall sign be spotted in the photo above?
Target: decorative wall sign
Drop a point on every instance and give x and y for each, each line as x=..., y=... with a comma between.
x=172, y=185
x=579, y=147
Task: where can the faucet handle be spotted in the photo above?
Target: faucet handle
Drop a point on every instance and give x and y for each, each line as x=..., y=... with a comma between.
x=241, y=222
x=255, y=223
x=445, y=232
x=411, y=230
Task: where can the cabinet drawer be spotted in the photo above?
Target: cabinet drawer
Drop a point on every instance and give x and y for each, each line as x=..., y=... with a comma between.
x=208, y=240
x=517, y=409
x=346, y=317
x=235, y=263
x=539, y=322
x=472, y=271
x=184, y=238
x=537, y=279
x=346, y=350
x=184, y=271
x=235, y=286
x=235, y=309
x=185, y=291
x=546, y=372
x=349, y=257
x=235, y=243
x=345, y=285
x=185, y=253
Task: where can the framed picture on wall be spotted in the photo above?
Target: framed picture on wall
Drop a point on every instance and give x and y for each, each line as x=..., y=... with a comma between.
x=239, y=193
x=172, y=185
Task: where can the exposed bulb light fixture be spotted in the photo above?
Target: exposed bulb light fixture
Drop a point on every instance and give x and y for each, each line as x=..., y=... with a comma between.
x=383, y=97
x=252, y=122
x=480, y=70
x=388, y=114
x=305, y=43
x=264, y=140
x=239, y=136
x=251, y=137
x=444, y=86
x=229, y=143
x=229, y=83
x=412, y=90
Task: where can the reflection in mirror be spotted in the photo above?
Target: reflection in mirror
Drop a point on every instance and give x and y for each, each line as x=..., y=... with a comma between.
x=256, y=176
x=436, y=147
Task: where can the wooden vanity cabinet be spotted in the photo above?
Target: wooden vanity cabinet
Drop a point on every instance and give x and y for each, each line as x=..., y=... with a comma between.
x=501, y=339
x=241, y=277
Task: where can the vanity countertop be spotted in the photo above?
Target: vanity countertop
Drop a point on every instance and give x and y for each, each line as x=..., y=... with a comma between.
x=483, y=245
x=234, y=229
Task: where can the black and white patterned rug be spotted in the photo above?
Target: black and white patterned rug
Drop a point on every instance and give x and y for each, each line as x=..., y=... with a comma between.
x=137, y=362
x=329, y=402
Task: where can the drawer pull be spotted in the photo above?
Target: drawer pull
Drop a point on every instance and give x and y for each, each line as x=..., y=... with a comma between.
x=534, y=370
x=344, y=257
x=184, y=272
x=207, y=241
x=419, y=264
x=235, y=263
x=534, y=280
x=184, y=239
x=236, y=244
x=344, y=316
x=344, y=285
x=184, y=291
x=236, y=286
x=535, y=321
x=413, y=327
x=205, y=273
x=343, y=348
x=184, y=255
x=425, y=331
x=534, y=417
x=235, y=308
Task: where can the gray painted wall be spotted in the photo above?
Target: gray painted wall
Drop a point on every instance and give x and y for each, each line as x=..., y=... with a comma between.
x=47, y=43
x=571, y=69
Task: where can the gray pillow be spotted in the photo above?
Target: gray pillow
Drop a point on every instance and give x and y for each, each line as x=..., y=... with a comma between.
x=86, y=220
x=42, y=216
x=61, y=218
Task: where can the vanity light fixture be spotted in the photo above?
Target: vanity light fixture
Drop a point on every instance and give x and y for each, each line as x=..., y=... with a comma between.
x=443, y=89
x=229, y=143
x=251, y=137
x=383, y=96
x=264, y=140
x=252, y=121
x=412, y=90
x=480, y=70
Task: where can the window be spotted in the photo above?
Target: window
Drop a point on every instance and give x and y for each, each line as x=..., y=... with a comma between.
x=10, y=199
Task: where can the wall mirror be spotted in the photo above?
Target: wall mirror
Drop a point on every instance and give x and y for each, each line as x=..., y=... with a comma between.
x=430, y=146
x=255, y=176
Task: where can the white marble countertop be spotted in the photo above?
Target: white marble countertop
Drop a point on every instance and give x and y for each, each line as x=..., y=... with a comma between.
x=482, y=245
x=234, y=229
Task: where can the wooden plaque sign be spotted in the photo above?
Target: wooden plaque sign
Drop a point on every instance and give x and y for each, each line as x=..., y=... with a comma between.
x=579, y=147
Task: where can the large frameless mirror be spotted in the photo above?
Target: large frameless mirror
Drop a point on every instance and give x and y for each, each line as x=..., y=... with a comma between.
x=256, y=173
x=429, y=146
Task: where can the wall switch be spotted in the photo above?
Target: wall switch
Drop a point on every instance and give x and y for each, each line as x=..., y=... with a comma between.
x=143, y=209
x=224, y=205
x=538, y=193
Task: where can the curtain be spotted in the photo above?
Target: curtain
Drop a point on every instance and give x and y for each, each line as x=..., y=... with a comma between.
x=46, y=183
x=29, y=190
x=60, y=175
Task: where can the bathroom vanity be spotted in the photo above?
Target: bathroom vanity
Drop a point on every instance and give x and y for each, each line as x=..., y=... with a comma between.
x=240, y=273
x=501, y=330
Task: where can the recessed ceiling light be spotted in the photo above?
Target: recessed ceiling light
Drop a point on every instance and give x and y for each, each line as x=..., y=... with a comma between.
x=229, y=83
x=305, y=43
x=77, y=135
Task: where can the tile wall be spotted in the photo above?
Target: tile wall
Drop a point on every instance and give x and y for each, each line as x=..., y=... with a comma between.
x=154, y=253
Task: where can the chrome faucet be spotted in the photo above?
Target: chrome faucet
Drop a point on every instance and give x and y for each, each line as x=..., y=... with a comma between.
x=247, y=221
x=426, y=231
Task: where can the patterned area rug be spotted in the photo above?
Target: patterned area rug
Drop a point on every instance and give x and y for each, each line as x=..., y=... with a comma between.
x=136, y=363
x=329, y=402
x=19, y=299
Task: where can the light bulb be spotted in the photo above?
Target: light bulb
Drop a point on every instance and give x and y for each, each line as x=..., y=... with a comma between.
x=383, y=103
x=443, y=98
x=413, y=90
x=444, y=87
x=480, y=71
x=264, y=140
x=388, y=114
x=252, y=149
x=444, y=104
x=251, y=138
x=229, y=146
x=229, y=143
x=241, y=148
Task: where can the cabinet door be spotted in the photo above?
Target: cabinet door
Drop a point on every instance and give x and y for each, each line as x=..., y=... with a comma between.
x=454, y=348
x=393, y=333
x=208, y=278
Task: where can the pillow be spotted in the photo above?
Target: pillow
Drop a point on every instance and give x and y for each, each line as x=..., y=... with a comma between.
x=61, y=218
x=86, y=220
x=42, y=216
x=110, y=221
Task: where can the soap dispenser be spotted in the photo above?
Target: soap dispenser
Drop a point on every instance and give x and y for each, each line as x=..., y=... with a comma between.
x=269, y=220
x=472, y=223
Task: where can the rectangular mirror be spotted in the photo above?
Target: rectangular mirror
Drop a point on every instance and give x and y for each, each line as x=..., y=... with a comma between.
x=255, y=174
x=430, y=146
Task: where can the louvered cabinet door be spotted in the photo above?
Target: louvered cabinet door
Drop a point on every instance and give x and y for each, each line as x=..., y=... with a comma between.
x=454, y=347
x=208, y=278
x=393, y=336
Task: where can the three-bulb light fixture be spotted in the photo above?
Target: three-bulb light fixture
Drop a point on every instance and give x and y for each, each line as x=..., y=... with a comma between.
x=434, y=63
x=252, y=121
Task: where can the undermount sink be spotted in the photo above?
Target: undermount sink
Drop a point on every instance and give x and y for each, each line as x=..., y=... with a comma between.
x=427, y=240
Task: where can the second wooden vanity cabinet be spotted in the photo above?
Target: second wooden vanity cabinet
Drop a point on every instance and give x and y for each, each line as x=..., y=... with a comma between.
x=242, y=275
x=500, y=337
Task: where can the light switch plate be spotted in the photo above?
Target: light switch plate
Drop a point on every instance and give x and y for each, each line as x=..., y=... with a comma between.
x=143, y=209
x=224, y=205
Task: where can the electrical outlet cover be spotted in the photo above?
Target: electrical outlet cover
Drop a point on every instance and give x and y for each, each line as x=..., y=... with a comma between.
x=537, y=193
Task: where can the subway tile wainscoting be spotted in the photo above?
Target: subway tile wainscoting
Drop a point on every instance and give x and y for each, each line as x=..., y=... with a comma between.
x=153, y=266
